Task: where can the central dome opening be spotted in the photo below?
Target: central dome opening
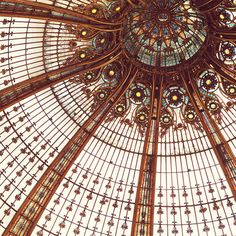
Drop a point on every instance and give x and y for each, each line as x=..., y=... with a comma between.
x=163, y=17
x=164, y=37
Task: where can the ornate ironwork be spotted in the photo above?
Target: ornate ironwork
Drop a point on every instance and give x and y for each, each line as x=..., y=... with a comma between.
x=147, y=89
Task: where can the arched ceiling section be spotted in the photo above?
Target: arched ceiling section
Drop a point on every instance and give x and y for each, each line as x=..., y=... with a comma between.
x=95, y=141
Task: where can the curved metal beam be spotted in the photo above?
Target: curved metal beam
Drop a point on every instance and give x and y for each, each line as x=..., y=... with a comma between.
x=38, y=10
x=135, y=3
x=26, y=88
x=39, y=197
x=220, y=146
x=206, y=5
x=225, y=34
x=143, y=217
x=221, y=68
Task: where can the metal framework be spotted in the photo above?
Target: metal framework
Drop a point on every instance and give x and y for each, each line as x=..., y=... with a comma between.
x=158, y=74
x=43, y=191
x=220, y=146
x=38, y=10
x=144, y=203
x=26, y=88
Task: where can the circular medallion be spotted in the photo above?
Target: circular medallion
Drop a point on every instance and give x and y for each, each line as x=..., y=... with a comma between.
x=164, y=36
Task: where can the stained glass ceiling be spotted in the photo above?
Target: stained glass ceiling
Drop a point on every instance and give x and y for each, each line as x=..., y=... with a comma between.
x=118, y=117
x=165, y=36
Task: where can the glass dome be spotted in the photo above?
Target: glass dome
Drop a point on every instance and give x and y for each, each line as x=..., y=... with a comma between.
x=100, y=138
x=165, y=35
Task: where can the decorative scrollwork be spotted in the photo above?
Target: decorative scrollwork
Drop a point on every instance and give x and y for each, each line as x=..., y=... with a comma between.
x=227, y=53
x=164, y=36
